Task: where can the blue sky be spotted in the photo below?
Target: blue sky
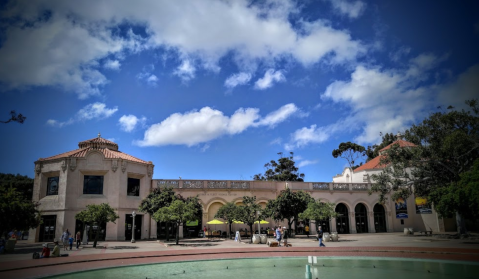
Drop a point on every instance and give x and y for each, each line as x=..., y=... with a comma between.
x=215, y=89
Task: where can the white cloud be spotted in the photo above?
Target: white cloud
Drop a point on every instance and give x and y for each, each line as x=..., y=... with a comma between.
x=95, y=110
x=112, y=64
x=186, y=71
x=271, y=76
x=312, y=135
x=205, y=147
x=147, y=76
x=64, y=49
x=306, y=163
x=276, y=141
x=92, y=111
x=129, y=122
x=237, y=79
x=195, y=127
x=280, y=115
x=352, y=9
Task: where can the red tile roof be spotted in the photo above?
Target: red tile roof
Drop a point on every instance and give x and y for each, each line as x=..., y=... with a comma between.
x=108, y=148
x=402, y=143
x=372, y=164
x=375, y=163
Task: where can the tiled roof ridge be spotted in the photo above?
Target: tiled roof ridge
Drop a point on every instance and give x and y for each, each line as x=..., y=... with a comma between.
x=402, y=143
x=107, y=153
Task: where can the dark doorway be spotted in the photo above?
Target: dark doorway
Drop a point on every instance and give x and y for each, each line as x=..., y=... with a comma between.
x=342, y=221
x=361, y=218
x=379, y=218
x=47, y=228
x=325, y=225
x=165, y=230
x=129, y=226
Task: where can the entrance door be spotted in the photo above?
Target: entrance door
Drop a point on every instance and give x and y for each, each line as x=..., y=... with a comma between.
x=47, y=228
x=379, y=218
x=343, y=218
x=361, y=218
x=165, y=230
x=324, y=223
x=129, y=226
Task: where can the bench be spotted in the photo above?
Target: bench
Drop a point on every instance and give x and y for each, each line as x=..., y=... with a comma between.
x=426, y=232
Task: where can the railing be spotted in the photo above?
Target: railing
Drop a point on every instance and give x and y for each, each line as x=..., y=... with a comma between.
x=261, y=185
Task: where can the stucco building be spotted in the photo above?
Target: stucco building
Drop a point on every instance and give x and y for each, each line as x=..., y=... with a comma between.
x=97, y=172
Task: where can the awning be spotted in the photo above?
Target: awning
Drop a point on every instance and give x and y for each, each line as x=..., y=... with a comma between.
x=192, y=223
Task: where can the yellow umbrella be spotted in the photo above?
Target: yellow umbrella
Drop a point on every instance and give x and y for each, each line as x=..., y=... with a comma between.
x=262, y=222
x=215, y=222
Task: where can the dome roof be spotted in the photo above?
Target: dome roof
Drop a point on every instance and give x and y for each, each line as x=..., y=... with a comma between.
x=97, y=143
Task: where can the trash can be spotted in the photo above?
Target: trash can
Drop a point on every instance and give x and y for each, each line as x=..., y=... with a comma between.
x=263, y=238
x=256, y=239
x=334, y=237
x=326, y=237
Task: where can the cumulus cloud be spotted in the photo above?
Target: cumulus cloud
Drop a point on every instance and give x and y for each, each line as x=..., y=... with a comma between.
x=146, y=76
x=270, y=77
x=112, y=64
x=185, y=71
x=92, y=111
x=60, y=43
x=195, y=127
x=352, y=9
x=129, y=122
x=237, y=79
x=379, y=100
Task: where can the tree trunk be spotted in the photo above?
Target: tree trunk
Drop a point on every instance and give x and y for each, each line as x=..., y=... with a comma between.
x=177, y=233
x=229, y=232
x=289, y=225
x=461, y=224
x=167, y=231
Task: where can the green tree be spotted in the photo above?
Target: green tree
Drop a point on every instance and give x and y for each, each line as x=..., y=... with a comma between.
x=15, y=118
x=318, y=210
x=229, y=213
x=351, y=152
x=21, y=183
x=16, y=212
x=157, y=199
x=447, y=146
x=97, y=214
x=288, y=205
x=283, y=170
x=248, y=213
x=179, y=211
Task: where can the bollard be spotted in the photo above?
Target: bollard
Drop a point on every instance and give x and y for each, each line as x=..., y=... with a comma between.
x=308, y=274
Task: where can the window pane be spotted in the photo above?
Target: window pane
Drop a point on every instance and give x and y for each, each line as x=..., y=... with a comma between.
x=93, y=184
x=52, y=186
x=133, y=187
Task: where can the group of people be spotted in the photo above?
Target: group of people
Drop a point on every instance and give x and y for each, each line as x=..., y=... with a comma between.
x=67, y=241
x=281, y=235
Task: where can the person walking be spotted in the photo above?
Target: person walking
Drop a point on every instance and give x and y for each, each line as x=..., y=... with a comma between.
x=78, y=238
x=204, y=232
x=278, y=235
x=70, y=241
x=64, y=239
x=320, y=237
x=306, y=230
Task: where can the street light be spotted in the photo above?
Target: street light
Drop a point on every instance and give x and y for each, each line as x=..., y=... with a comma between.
x=133, y=214
x=259, y=221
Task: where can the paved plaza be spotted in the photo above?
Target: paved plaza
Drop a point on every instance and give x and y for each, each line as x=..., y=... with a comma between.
x=121, y=253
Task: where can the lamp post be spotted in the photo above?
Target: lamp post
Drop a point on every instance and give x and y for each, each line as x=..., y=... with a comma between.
x=259, y=225
x=133, y=214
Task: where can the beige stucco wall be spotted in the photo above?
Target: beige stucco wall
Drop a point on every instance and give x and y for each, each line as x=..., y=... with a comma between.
x=71, y=200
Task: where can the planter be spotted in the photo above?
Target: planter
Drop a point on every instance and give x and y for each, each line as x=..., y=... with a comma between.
x=256, y=239
x=263, y=238
x=326, y=237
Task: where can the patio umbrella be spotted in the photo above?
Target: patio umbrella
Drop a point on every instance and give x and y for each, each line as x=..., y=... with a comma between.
x=262, y=222
x=215, y=222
